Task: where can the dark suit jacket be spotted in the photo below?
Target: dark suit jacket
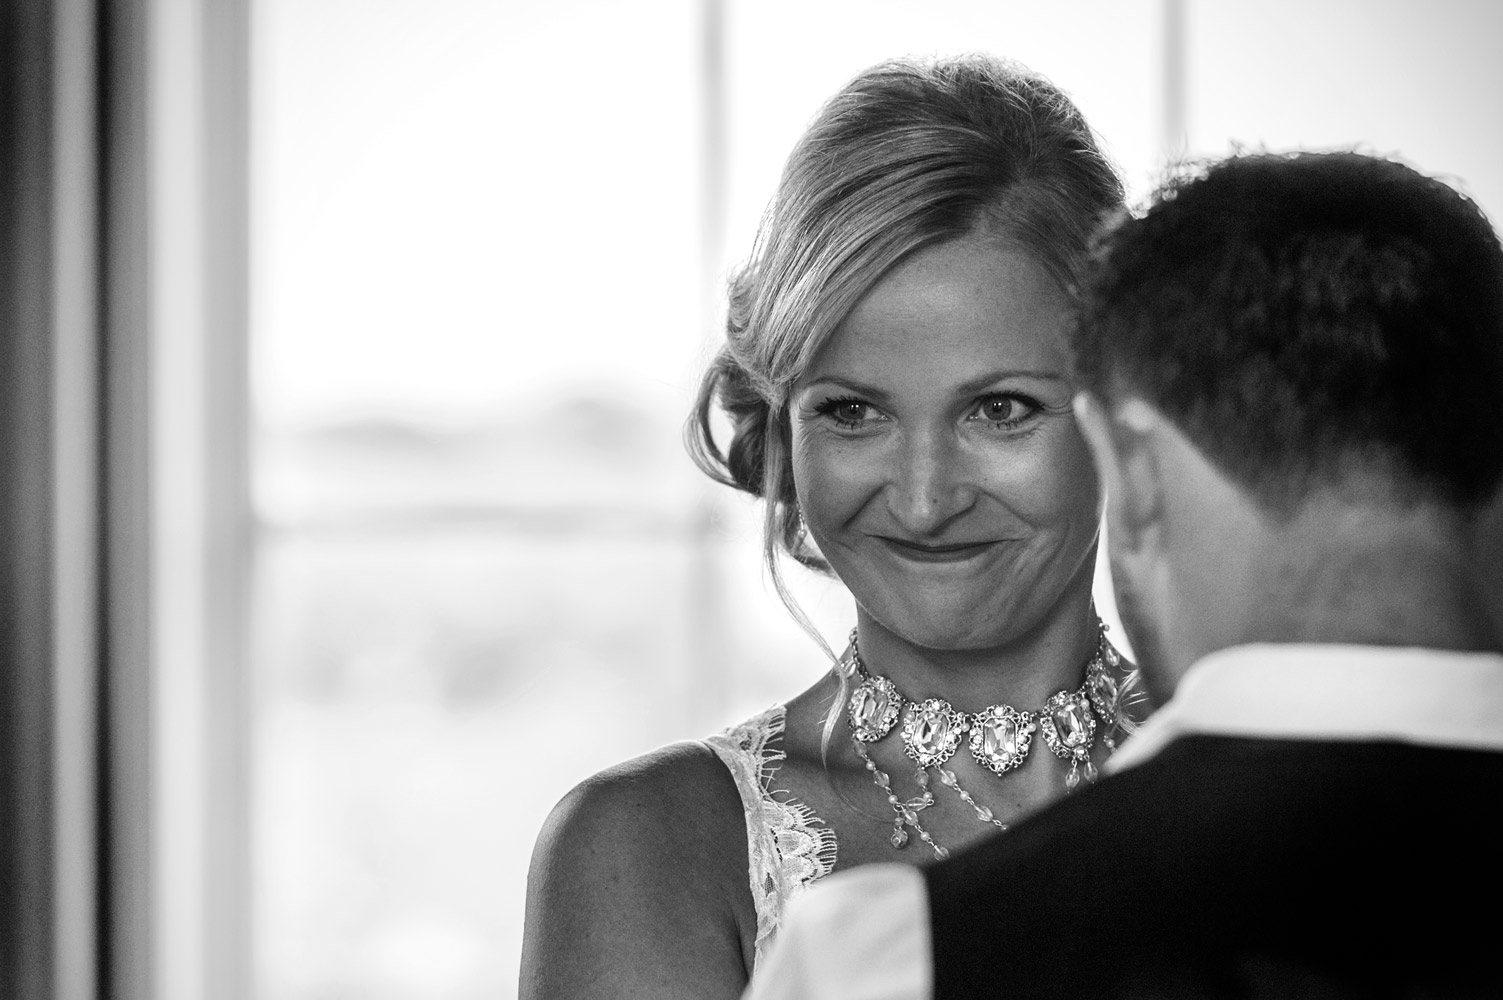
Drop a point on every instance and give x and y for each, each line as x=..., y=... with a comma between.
x=1240, y=868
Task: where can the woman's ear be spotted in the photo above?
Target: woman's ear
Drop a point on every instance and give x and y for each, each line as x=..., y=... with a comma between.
x=1122, y=440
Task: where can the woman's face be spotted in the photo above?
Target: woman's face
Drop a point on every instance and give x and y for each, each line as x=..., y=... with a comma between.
x=935, y=453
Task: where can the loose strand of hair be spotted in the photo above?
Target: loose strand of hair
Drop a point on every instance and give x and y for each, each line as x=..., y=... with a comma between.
x=780, y=537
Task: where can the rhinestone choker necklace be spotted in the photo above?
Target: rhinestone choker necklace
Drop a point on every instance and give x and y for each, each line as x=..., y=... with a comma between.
x=1000, y=736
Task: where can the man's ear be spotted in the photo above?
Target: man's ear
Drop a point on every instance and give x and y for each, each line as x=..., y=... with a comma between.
x=1122, y=441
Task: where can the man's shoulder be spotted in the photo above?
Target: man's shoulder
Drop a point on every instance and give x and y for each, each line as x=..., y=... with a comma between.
x=1199, y=851
x=1210, y=794
x=863, y=932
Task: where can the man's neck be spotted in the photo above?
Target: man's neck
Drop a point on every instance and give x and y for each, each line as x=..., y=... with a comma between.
x=1341, y=573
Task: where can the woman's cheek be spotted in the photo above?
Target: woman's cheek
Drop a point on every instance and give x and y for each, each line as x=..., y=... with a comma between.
x=1051, y=481
x=833, y=480
x=1078, y=474
x=1071, y=494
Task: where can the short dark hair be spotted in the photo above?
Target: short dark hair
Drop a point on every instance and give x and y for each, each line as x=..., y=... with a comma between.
x=1304, y=316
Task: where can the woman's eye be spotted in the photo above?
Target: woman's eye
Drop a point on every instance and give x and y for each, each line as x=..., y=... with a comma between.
x=847, y=413
x=1006, y=411
x=998, y=409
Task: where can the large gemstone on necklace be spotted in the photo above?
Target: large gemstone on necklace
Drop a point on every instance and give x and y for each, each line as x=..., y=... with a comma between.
x=1068, y=724
x=1000, y=737
x=873, y=708
x=930, y=732
x=867, y=705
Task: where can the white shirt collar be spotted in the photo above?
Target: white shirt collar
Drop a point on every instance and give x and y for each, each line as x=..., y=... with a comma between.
x=1329, y=691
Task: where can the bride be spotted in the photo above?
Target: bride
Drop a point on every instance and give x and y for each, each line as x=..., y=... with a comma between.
x=897, y=378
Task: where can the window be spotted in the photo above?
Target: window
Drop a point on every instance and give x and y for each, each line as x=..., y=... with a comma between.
x=487, y=242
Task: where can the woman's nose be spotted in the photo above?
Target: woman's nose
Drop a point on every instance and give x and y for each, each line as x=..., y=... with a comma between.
x=931, y=484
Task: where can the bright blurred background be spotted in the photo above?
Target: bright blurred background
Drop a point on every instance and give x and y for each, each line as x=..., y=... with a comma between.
x=488, y=241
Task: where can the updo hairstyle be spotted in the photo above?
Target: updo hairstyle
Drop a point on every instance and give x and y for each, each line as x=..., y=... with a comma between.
x=908, y=155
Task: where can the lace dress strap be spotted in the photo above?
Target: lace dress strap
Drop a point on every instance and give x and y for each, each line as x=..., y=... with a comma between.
x=788, y=847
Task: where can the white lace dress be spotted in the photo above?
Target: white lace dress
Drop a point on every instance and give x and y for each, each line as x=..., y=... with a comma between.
x=788, y=846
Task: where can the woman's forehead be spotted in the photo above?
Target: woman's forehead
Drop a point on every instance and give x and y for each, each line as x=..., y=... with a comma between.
x=963, y=306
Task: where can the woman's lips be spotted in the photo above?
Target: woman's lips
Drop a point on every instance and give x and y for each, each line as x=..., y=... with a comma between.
x=933, y=553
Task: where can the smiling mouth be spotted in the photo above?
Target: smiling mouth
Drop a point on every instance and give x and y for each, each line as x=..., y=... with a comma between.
x=923, y=552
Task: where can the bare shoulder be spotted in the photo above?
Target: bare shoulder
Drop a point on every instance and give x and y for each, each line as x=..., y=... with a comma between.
x=639, y=886
x=680, y=796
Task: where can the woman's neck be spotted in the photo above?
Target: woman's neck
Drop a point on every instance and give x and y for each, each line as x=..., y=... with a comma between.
x=1021, y=670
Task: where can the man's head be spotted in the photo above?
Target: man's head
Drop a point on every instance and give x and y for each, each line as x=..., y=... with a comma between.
x=1282, y=347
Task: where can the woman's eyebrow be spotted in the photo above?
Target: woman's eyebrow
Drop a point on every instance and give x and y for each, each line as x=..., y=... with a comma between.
x=848, y=384
x=991, y=378
x=966, y=388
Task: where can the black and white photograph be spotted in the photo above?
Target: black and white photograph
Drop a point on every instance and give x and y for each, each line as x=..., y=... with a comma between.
x=750, y=499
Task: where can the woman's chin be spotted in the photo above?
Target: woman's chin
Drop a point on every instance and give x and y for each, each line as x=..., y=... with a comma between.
x=947, y=629
x=950, y=621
